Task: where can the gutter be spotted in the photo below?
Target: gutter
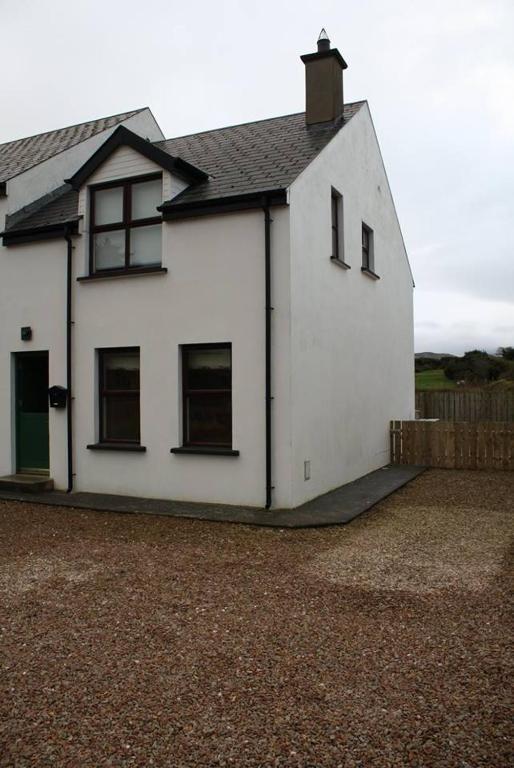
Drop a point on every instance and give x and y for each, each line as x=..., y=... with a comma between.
x=69, y=323
x=32, y=234
x=184, y=209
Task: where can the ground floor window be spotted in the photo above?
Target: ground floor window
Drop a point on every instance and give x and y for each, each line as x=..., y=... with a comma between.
x=119, y=395
x=207, y=395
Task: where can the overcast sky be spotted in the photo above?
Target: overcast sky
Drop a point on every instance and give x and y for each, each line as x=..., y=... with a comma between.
x=438, y=75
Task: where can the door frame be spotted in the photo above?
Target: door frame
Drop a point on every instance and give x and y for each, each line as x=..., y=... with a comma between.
x=17, y=356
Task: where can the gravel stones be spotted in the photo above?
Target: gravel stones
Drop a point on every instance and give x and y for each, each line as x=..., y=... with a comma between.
x=132, y=640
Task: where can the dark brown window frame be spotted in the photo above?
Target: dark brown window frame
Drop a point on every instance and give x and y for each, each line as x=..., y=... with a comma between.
x=126, y=224
x=102, y=392
x=368, y=255
x=337, y=228
x=334, y=201
x=184, y=349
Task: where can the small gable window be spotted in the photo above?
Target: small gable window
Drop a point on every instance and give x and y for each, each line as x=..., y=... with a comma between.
x=368, y=252
x=125, y=225
x=337, y=224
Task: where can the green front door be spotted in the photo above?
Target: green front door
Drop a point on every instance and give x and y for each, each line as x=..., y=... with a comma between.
x=32, y=452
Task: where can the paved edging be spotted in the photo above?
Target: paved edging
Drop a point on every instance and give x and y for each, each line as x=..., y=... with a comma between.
x=335, y=507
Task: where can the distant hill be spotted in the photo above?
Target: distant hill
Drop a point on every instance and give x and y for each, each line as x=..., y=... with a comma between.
x=434, y=355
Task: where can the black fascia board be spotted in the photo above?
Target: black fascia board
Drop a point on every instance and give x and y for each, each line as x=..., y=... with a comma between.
x=250, y=200
x=123, y=137
x=33, y=234
x=324, y=55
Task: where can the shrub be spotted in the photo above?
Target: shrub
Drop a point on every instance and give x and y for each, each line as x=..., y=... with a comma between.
x=475, y=367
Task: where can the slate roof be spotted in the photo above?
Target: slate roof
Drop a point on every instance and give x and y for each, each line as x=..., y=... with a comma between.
x=20, y=155
x=60, y=207
x=253, y=157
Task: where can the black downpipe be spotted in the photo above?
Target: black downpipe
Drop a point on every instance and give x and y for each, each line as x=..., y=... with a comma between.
x=269, y=309
x=69, y=323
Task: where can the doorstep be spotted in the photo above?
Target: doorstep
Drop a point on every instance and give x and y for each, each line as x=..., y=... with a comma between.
x=335, y=507
x=26, y=483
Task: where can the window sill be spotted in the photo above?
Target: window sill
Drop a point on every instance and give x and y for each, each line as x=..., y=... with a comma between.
x=133, y=272
x=204, y=450
x=340, y=263
x=131, y=447
x=370, y=273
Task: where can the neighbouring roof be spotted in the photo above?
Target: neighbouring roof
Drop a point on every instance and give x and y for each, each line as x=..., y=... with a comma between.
x=59, y=207
x=251, y=158
x=18, y=156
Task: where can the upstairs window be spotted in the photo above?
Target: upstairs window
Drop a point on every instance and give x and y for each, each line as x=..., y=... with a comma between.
x=207, y=395
x=368, y=256
x=125, y=225
x=337, y=229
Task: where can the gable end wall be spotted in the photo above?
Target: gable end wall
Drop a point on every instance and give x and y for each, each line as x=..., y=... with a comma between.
x=352, y=336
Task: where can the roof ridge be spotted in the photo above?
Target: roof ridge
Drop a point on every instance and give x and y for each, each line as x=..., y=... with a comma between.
x=74, y=125
x=248, y=122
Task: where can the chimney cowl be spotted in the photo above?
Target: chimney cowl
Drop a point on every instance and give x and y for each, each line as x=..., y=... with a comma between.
x=323, y=41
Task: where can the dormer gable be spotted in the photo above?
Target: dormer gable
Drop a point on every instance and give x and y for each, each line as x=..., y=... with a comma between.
x=123, y=137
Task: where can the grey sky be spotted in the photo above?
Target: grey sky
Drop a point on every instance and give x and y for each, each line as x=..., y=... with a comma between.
x=439, y=78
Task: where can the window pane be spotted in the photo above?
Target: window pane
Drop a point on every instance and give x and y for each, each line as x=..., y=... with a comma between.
x=108, y=206
x=209, y=368
x=120, y=395
x=121, y=370
x=335, y=249
x=145, y=245
x=145, y=199
x=109, y=249
x=121, y=417
x=334, y=210
x=209, y=419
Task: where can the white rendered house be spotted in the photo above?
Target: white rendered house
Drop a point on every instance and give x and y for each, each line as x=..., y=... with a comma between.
x=222, y=317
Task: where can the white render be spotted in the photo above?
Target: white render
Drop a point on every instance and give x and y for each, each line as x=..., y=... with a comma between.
x=342, y=343
x=352, y=345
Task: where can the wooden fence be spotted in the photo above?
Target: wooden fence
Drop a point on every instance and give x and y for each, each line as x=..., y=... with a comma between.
x=466, y=405
x=453, y=445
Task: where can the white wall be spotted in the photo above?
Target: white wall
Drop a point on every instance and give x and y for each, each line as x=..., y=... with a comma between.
x=32, y=290
x=342, y=344
x=352, y=336
x=33, y=293
x=214, y=291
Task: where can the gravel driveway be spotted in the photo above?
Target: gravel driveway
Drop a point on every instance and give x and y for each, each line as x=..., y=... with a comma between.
x=130, y=640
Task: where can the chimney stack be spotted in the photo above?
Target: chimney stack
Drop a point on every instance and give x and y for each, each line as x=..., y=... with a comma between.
x=323, y=82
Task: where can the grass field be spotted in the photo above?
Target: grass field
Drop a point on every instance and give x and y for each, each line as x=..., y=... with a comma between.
x=433, y=380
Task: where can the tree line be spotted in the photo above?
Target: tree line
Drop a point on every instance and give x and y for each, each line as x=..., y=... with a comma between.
x=474, y=367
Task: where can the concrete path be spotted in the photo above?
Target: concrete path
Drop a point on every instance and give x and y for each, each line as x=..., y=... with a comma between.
x=338, y=506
